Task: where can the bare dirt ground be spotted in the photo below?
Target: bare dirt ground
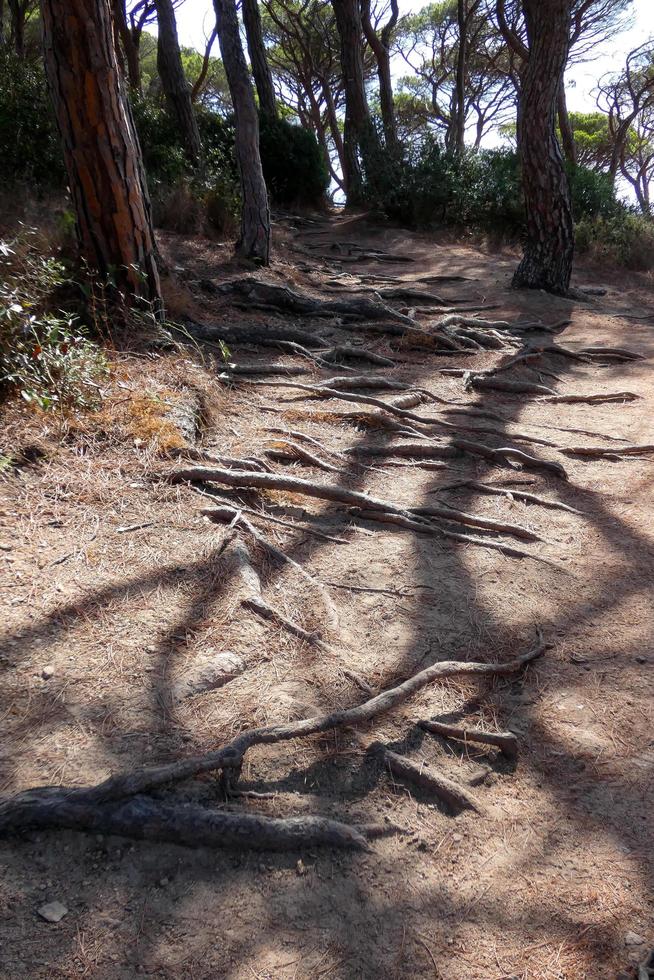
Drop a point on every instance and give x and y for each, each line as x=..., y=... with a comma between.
x=100, y=624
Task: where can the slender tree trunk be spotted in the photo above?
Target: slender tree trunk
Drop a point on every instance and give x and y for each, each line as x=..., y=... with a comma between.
x=461, y=68
x=380, y=45
x=198, y=85
x=2, y=23
x=567, y=135
x=254, y=242
x=101, y=150
x=360, y=135
x=549, y=246
x=173, y=80
x=260, y=67
x=129, y=48
x=334, y=127
x=18, y=11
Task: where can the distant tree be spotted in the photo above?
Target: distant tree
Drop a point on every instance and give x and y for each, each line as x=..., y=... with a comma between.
x=380, y=44
x=174, y=82
x=454, y=85
x=304, y=55
x=101, y=150
x=254, y=241
x=361, y=143
x=628, y=100
x=549, y=246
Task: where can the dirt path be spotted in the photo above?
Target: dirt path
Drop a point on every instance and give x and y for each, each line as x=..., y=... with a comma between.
x=118, y=591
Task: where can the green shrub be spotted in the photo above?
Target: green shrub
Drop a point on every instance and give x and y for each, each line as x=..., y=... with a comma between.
x=30, y=149
x=45, y=356
x=592, y=193
x=480, y=189
x=293, y=164
x=624, y=239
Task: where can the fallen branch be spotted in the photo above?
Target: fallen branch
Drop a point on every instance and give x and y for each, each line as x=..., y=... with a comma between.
x=295, y=453
x=506, y=742
x=453, y=794
x=508, y=453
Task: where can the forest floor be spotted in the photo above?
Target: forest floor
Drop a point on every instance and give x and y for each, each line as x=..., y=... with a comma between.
x=120, y=597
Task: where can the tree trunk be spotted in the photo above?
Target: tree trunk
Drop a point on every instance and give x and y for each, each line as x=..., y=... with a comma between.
x=198, y=85
x=101, y=150
x=173, y=80
x=18, y=12
x=254, y=242
x=549, y=246
x=129, y=48
x=260, y=67
x=567, y=135
x=461, y=68
x=334, y=128
x=381, y=48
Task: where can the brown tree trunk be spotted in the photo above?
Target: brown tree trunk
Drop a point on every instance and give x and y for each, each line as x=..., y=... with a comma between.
x=173, y=80
x=380, y=45
x=254, y=242
x=360, y=135
x=567, y=135
x=101, y=150
x=549, y=245
x=260, y=67
x=461, y=68
x=198, y=85
x=129, y=48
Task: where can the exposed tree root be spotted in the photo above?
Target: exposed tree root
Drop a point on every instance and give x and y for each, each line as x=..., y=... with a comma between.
x=143, y=818
x=415, y=518
x=269, y=367
x=235, y=518
x=295, y=453
x=303, y=437
x=343, y=352
x=85, y=807
x=269, y=518
x=597, y=399
x=511, y=387
x=235, y=334
x=453, y=794
x=600, y=452
x=506, y=742
x=206, y=456
x=289, y=301
x=516, y=494
x=611, y=354
x=412, y=522
x=510, y=454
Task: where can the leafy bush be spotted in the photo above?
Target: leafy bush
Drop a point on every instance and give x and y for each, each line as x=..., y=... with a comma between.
x=625, y=239
x=44, y=355
x=293, y=164
x=30, y=150
x=592, y=193
x=480, y=188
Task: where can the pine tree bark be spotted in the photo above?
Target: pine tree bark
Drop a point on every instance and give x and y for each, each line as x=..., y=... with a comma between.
x=101, y=149
x=173, y=80
x=381, y=47
x=359, y=136
x=257, y=51
x=254, y=241
x=549, y=245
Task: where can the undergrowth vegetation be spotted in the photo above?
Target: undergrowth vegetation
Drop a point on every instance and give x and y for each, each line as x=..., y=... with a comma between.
x=45, y=353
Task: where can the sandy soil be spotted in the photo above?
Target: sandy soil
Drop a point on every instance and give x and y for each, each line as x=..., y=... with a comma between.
x=554, y=880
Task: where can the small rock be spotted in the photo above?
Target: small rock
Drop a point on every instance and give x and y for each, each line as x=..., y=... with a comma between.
x=633, y=939
x=47, y=672
x=457, y=838
x=300, y=867
x=55, y=911
x=640, y=659
x=163, y=882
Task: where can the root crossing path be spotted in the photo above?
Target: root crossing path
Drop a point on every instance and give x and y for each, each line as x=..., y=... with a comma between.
x=349, y=672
